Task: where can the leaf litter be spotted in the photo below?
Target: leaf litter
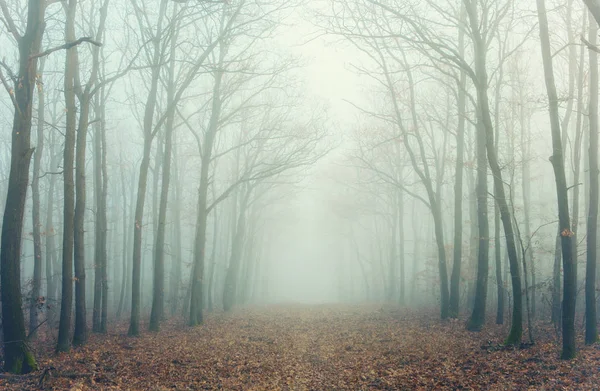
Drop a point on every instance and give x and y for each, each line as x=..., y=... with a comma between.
x=296, y=347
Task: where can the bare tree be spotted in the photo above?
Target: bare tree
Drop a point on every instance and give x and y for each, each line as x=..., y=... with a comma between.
x=557, y=160
x=17, y=356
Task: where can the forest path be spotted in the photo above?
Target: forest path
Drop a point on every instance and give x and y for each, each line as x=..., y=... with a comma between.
x=297, y=347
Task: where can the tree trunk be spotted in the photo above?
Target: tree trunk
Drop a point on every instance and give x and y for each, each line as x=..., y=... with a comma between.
x=35, y=212
x=51, y=255
x=401, y=243
x=101, y=228
x=157, y=311
x=481, y=84
x=196, y=288
x=80, y=332
x=556, y=285
x=557, y=160
x=212, y=263
x=458, y=182
x=591, y=327
x=477, y=319
x=176, y=262
x=232, y=275
x=17, y=356
x=126, y=217
x=134, y=325
x=63, y=343
x=393, y=280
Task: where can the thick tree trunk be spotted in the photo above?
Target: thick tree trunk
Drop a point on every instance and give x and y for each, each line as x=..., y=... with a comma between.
x=17, y=356
x=557, y=160
x=478, y=316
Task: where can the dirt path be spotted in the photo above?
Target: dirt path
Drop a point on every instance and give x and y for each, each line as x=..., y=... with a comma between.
x=312, y=348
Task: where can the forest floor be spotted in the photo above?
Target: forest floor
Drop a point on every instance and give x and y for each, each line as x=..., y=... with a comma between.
x=299, y=347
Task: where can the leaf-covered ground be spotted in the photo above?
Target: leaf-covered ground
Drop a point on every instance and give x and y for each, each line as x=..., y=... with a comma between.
x=313, y=348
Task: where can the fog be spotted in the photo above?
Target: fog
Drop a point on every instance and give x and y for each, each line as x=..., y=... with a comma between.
x=173, y=159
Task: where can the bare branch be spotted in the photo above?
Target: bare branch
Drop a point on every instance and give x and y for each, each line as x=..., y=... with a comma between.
x=9, y=22
x=65, y=46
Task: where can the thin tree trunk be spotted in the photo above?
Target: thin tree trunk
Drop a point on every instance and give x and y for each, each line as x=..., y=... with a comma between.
x=212, y=263
x=63, y=343
x=125, y=257
x=157, y=311
x=134, y=324
x=176, y=263
x=51, y=270
x=35, y=212
x=401, y=243
x=481, y=82
x=196, y=288
x=233, y=271
x=591, y=327
x=458, y=182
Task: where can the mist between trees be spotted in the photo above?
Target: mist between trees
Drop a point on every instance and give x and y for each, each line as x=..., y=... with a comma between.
x=170, y=158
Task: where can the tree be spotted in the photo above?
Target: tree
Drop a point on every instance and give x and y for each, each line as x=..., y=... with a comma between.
x=157, y=312
x=277, y=149
x=557, y=160
x=18, y=358
x=390, y=57
x=150, y=129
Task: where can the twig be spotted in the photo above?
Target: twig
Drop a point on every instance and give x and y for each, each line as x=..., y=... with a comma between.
x=10, y=91
x=35, y=328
